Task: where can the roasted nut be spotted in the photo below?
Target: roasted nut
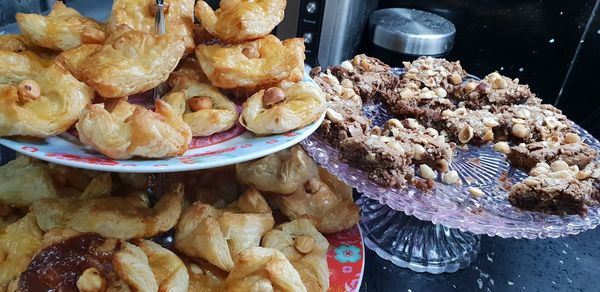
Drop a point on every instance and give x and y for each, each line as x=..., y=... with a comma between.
x=475, y=192
x=451, y=177
x=543, y=165
x=537, y=171
x=371, y=157
x=331, y=80
x=91, y=281
x=412, y=123
x=502, y=147
x=559, y=165
x=312, y=186
x=442, y=165
x=440, y=92
x=407, y=93
x=523, y=114
x=490, y=122
x=200, y=103
x=304, y=244
x=562, y=174
x=465, y=134
x=196, y=269
x=333, y=115
x=397, y=146
x=337, y=89
x=28, y=90
x=347, y=65
x=552, y=122
x=346, y=83
x=376, y=131
x=470, y=86
x=365, y=65
x=447, y=113
x=583, y=174
x=455, y=78
x=520, y=131
x=554, y=139
x=273, y=96
x=517, y=121
x=431, y=132
x=426, y=172
x=488, y=136
x=572, y=138
x=419, y=151
x=460, y=112
x=395, y=123
x=532, y=182
x=348, y=93
x=427, y=94
x=574, y=168
x=251, y=52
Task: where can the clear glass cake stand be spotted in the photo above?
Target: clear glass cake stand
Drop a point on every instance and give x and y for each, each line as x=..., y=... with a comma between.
x=439, y=231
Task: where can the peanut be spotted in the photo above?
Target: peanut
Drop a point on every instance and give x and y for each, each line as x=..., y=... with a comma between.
x=28, y=90
x=200, y=103
x=273, y=96
x=304, y=244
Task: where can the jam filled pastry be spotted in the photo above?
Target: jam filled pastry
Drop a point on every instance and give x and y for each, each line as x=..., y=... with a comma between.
x=129, y=62
x=64, y=28
x=238, y=21
x=19, y=242
x=280, y=110
x=131, y=131
x=254, y=64
x=139, y=15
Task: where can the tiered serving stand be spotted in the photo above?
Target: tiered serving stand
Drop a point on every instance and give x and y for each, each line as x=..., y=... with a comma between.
x=439, y=231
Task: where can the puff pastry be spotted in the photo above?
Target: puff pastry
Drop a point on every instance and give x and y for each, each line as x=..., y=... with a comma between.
x=187, y=69
x=263, y=269
x=306, y=249
x=129, y=62
x=253, y=64
x=78, y=183
x=13, y=42
x=119, y=217
x=218, y=236
x=24, y=181
x=205, y=277
x=279, y=110
x=238, y=21
x=64, y=28
x=139, y=15
x=169, y=270
x=45, y=105
x=281, y=173
x=130, y=131
x=19, y=242
x=219, y=115
x=16, y=67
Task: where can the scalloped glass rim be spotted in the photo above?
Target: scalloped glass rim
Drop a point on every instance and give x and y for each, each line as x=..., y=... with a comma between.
x=453, y=206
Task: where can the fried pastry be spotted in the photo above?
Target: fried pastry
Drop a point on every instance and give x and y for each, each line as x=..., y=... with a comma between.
x=64, y=28
x=306, y=249
x=281, y=173
x=280, y=110
x=251, y=201
x=19, y=242
x=218, y=236
x=129, y=62
x=45, y=105
x=263, y=269
x=13, y=43
x=203, y=107
x=73, y=261
x=254, y=64
x=187, y=69
x=140, y=14
x=205, y=277
x=129, y=131
x=330, y=211
x=237, y=21
x=118, y=217
x=24, y=181
x=78, y=183
x=169, y=270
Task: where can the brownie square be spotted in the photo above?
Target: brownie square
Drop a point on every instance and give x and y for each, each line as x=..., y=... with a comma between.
x=527, y=156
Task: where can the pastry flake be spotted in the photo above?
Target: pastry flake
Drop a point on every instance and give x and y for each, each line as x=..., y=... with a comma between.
x=64, y=28
x=24, y=181
x=118, y=217
x=19, y=242
x=140, y=14
x=263, y=269
x=205, y=277
x=281, y=173
x=169, y=270
x=254, y=64
x=280, y=110
x=129, y=62
x=130, y=131
x=238, y=21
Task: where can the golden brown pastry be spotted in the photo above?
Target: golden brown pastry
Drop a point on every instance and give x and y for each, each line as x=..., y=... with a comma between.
x=253, y=64
x=205, y=277
x=45, y=105
x=79, y=183
x=73, y=261
x=306, y=249
x=118, y=217
x=129, y=131
x=8, y=215
x=64, y=28
x=129, y=62
x=13, y=42
x=238, y=21
x=24, y=181
x=218, y=236
x=187, y=69
x=203, y=107
x=16, y=67
x=280, y=110
x=139, y=15
x=169, y=270
x=331, y=212
x=19, y=242
x=251, y=201
x=281, y=173
x=263, y=269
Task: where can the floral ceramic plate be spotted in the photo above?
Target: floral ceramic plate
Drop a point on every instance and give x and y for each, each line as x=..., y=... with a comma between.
x=346, y=260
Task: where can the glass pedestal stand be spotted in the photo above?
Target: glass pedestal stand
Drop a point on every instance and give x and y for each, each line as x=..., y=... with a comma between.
x=411, y=243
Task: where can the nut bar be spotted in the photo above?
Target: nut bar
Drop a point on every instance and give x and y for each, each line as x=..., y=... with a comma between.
x=384, y=160
x=529, y=123
x=425, y=145
x=558, y=189
x=368, y=75
x=570, y=149
x=494, y=90
x=434, y=73
x=465, y=126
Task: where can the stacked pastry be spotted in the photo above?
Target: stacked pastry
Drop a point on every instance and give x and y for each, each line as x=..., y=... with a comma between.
x=254, y=227
x=66, y=69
